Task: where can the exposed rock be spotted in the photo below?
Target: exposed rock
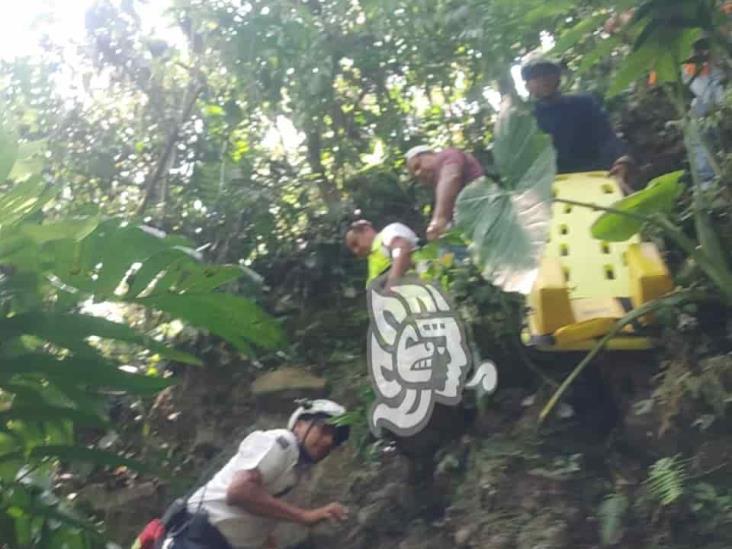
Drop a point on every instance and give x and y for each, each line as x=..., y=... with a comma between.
x=422, y=536
x=123, y=508
x=463, y=535
x=715, y=455
x=642, y=431
x=544, y=532
x=498, y=541
x=276, y=390
x=103, y=499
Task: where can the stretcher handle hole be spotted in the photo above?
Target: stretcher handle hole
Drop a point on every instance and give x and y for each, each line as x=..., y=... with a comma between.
x=563, y=249
x=566, y=274
x=568, y=208
x=609, y=272
x=605, y=247
x=563, y=229
x=607, y=188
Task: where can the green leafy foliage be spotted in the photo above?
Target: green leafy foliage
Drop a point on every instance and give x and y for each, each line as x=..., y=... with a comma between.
x=55, y=372
x=507, y=222
x=184, y=138
x=612, y=513
x=659, y=196
x=662, y=52
x=712, y=505
x=223, y=315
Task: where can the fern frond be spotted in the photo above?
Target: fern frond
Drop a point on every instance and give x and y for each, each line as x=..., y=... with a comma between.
x=666, y=479
x=611, y=513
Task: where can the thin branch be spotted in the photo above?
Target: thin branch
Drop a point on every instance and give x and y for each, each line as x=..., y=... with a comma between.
x=158, y=172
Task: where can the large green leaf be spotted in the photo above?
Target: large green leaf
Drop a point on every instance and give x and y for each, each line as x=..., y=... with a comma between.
x=24, y=199
x=43, y=412
x=584, y=27
x=154, y=266
x=524, y=156
x=45, y=506
x=507, y=225
x=70, y=331
x=74, y=229
x=662, y=53
x=118, y=248
x=238, y=320
x=178, y=269
x=8, y=152
x=91, y=372
x=659, y=196
x=69, y=261
x=209, y=278
x=30, y=160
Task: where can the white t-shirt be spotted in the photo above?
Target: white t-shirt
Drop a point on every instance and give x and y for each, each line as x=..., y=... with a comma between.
x=394, y=230
x=274, y=454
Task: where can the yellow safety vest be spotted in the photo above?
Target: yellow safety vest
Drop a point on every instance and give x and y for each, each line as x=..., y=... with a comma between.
x=378, y=260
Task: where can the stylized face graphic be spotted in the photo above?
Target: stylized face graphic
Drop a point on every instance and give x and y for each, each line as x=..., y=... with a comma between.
x=427, y=350
x=417, y=355
x=414, y=366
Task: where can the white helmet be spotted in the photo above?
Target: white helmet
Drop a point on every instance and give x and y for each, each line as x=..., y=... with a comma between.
x=324, y=408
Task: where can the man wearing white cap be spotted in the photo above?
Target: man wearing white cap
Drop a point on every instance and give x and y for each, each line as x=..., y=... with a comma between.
x=448, y=171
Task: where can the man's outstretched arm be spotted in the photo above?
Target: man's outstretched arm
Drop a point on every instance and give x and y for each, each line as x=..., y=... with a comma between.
x=247, y=492
x=401, y=253
x=611, y=148
x=446, y=191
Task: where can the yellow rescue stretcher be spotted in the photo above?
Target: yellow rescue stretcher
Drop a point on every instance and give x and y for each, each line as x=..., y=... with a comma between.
x=584, y=285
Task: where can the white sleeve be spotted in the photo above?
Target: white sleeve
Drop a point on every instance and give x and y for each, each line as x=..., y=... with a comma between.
x=266, y=453
x=390, y=232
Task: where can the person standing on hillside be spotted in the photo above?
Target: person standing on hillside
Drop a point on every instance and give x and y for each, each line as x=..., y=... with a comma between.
x=706, y=80
x=580, y=128
x=448, y=172
x=241, y=505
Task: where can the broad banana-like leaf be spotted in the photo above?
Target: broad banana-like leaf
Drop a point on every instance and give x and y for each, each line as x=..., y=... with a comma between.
x=90, y=371
x=74, y=229
x=238, y=320
x=30, y=160
x=659, y=196
x=507, y=223
x=40, y=411
x=70, y=331
x=8, y=152
x=24, y=199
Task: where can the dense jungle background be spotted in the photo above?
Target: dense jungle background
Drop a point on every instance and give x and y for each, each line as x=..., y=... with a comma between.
x=175, y=183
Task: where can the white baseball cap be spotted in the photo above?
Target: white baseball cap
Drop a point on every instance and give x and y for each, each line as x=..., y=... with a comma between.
x=416, y=151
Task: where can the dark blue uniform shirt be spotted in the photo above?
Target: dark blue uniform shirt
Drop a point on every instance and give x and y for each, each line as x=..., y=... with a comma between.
x=581, y=131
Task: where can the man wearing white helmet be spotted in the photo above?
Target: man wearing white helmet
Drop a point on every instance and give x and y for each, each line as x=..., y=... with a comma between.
x=448, y=171
x=241, y=505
